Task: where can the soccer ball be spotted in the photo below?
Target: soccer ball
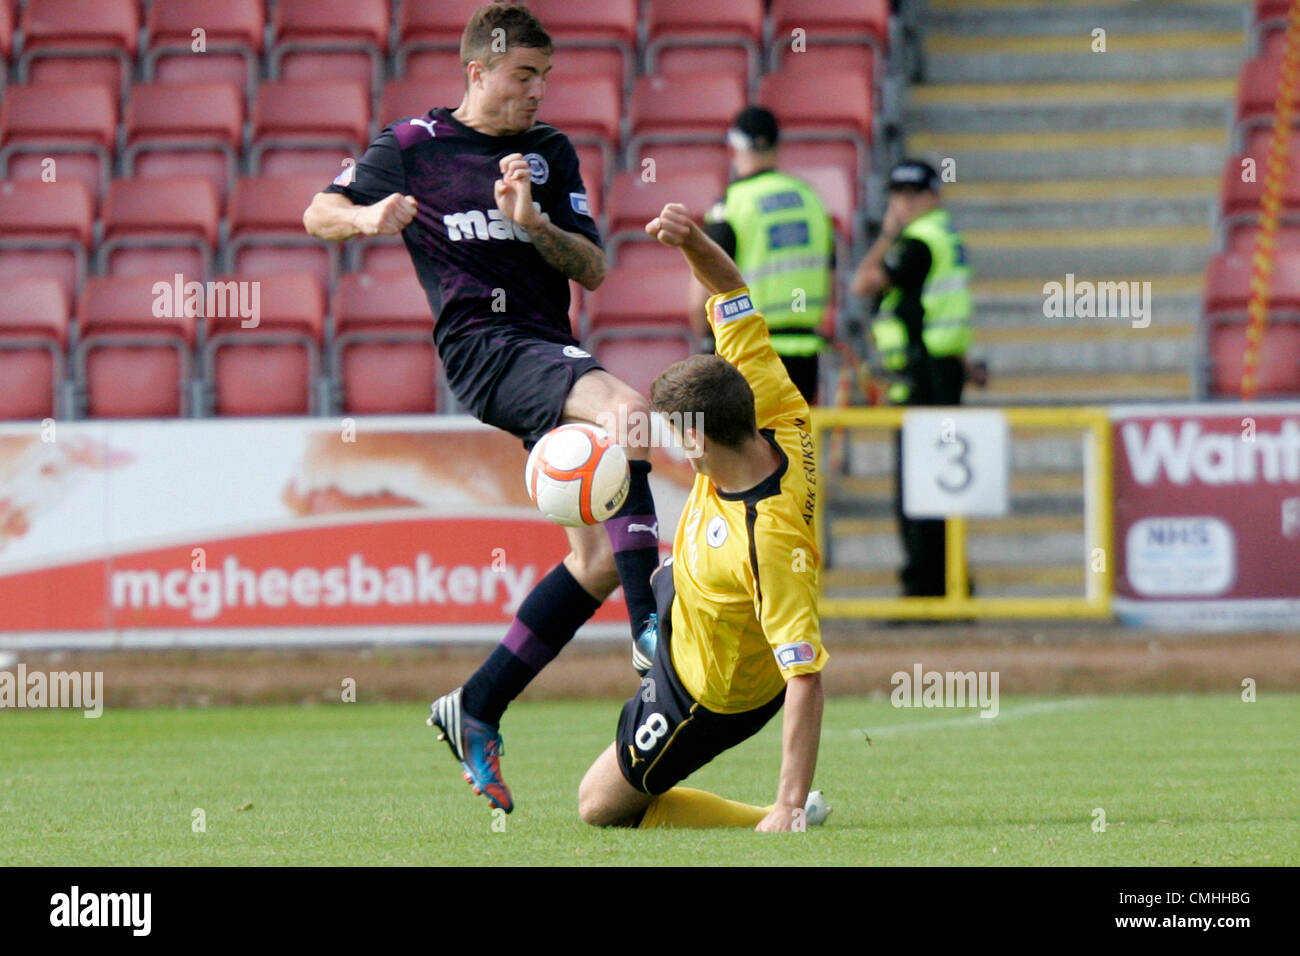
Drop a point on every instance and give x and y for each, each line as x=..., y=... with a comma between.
x=577, y=475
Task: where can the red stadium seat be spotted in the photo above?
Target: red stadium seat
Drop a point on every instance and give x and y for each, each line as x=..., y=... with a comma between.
x=1277, y=367
x=414, y=97
x=6, y=40
x=1227, y=284
x=822, y=106
x=33, y=337
x=72, y=41
x=682, y=109
x=232, y=41
x=1240, y=205
x=634, y=202
x=423, y=27
x=683, y=34
x=272, y=368
x=266, y=234
x=651, y=256
x=637, y=360
x=305, y=125
x=160, y=227
x=588, y=109
x=45, y=231
x=591, y=35
x=1257, y=88
x=131, y=361
x=72, y=125
x=330, y=39
x=184, y=129
x=1268, y=9
x=383, y=344
x=830, y=22
x=648, y=304
x=421, y=63
x=379, y=254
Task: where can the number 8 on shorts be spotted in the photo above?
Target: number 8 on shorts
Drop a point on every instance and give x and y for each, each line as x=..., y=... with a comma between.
x=651, y=732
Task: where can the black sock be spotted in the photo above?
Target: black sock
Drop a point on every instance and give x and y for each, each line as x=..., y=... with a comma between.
x=634, y=536
x=546, y=620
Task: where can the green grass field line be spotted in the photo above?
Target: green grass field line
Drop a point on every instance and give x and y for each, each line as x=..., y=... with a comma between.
x=1183, y=780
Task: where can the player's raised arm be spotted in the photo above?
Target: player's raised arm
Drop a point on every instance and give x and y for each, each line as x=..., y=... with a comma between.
x=713, y=267
x=334, y=216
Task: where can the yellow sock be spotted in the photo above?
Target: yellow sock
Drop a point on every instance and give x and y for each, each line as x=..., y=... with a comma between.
x=684, y=807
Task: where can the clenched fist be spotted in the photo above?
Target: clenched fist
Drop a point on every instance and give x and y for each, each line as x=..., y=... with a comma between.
x=514, y=192
x=388, y=217
x=672, y=226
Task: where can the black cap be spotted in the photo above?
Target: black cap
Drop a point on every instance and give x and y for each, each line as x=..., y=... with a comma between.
x=914, y=174
x=758, y=126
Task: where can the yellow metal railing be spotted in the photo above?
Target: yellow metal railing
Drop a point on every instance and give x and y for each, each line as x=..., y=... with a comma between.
x=1098, y=525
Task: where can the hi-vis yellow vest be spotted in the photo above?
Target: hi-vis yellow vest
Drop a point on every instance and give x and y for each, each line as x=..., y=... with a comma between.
x=945, y=297
x=784, y=243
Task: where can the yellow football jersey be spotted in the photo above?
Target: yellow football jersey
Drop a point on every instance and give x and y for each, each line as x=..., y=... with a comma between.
x=745, y=565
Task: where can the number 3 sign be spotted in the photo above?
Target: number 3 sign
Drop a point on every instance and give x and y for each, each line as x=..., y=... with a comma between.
x=955, y=463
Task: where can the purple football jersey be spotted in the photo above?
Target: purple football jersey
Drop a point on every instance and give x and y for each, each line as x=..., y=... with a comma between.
x=482, y=266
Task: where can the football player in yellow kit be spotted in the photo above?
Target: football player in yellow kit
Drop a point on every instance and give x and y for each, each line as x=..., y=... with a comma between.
x=739, y=633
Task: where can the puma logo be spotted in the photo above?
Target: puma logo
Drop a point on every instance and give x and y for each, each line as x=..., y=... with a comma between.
x=427, y=124
x=650, y=529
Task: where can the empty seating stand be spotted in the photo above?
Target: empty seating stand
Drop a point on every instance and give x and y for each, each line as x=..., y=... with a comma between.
x=185, y=129
x=697, y=35
x=638, y=323
x=134, y=348
x=74, y=41
x=160, y=228
x=33, y=342
x=200, y=41
x=46, y=230
x=308, y=125
x=383, y=352
x=1227, y=297
x=59, y=131
x=680, y=121
x=271, y=367
x=330, y=39
x=264, y=221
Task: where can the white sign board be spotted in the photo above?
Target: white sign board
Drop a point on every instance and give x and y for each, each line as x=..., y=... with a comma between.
x=955, y=463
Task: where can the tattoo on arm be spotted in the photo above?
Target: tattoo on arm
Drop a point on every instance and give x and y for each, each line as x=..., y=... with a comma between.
x=575, y=256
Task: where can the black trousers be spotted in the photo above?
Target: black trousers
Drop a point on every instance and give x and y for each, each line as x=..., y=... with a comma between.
x=935, y=382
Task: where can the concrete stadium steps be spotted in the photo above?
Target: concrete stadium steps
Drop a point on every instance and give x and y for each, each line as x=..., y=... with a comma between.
x=1171, y=201
x=1063, y=156
x=1001, y=18
x=1132, y=53
x=1012, y=305
x=1093, y=103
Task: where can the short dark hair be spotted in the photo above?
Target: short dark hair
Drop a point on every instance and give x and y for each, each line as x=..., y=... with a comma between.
x=711, y=391
x=520, y=28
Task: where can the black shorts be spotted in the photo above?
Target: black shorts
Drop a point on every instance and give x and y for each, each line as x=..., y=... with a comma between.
x=516, y=383
x=664, y=735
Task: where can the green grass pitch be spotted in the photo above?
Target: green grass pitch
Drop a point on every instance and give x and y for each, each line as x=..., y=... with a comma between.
x=1182, y=780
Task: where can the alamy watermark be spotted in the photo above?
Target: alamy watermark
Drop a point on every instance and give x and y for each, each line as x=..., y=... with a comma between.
x=214, y=300
x=946, y=689
x=637, y=429
x=82, y=690
x=1084, y=299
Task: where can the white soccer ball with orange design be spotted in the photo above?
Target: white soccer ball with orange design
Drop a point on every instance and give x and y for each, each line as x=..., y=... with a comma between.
x=577, y=475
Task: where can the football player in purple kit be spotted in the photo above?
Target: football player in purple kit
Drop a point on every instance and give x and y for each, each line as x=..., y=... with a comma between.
x=491, y=206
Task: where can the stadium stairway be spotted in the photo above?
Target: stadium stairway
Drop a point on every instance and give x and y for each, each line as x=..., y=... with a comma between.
x=1104, y=165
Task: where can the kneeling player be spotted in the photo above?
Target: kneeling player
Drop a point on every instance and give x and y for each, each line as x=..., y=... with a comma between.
x=737, y=604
